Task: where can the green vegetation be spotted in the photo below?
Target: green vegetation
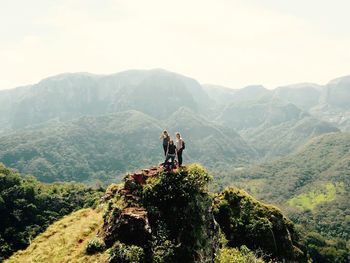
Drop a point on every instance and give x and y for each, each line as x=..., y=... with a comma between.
x=90, y=149
x=95, y=245
x=177, y=207
x=28, y=207
x=165, y=217
x=311, y=199
x=121, y=253
x=102, y=149
x=317, y=176
x=180, y=212
x=323, y=250
x=242, y=255
x=312, y=186
x=93, y=129
x=65, y=241
x=272, y=126
x=245, y=221
x=89, y=128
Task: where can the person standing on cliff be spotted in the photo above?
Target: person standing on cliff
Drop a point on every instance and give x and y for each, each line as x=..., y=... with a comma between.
x=180, y=146
x=170, y=155
x=166, y=138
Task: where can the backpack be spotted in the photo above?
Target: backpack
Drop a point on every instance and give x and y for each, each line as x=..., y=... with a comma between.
x=183, y=145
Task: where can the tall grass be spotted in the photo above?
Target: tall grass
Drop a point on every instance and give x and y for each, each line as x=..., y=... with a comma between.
x=64, y=241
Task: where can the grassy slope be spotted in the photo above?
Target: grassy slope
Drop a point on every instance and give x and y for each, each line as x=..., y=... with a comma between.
x=314, y=182
x=64, y=241
x=322, y=161
x=311, y=199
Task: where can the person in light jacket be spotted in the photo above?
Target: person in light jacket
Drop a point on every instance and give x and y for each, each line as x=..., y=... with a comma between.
x=179, y=143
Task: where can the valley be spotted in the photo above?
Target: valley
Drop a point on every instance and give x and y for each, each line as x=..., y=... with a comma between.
x=289, y=146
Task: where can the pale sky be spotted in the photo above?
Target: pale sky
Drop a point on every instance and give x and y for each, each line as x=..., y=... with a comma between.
x=227, y=42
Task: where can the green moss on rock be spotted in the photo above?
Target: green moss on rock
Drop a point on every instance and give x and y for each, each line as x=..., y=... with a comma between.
x=246, y=221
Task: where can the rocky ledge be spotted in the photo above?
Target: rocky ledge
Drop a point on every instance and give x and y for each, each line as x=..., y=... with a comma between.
x=170, y=216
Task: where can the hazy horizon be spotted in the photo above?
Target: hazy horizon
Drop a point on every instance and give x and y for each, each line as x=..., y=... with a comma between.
x=201, y=83
x=228, y=43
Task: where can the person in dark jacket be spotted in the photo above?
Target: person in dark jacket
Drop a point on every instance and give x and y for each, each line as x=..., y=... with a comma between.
x=171, y=154
x=166, y=138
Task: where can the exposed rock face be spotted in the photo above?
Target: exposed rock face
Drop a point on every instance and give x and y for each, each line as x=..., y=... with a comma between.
x=129, y=226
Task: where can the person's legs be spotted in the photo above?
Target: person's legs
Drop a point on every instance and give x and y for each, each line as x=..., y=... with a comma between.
x=167, y=159
x=165, y=148
x=172, y=161
x=179, y=157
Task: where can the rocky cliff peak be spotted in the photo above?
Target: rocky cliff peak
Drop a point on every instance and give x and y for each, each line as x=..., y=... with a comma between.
x=159, y=215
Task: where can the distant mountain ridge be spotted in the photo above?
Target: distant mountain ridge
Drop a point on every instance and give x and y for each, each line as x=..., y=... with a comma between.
x=289, y=146
x=101, y=148
x=158, y=93
x=329, y=103
x=223, y=127
x=66, y=96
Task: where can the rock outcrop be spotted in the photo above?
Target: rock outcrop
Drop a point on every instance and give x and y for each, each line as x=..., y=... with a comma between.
x=170, y=216
x=246, y=221
x=129, y=222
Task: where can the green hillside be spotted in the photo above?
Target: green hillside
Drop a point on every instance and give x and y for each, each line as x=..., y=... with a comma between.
x=28, y=207
x=159, y=216
x=272, y=126
x=283, y=146
x=268, y=120
x=65, y=240
x=210, y=143
x=85, y=150
x=312, y=184
x=68, y=96
x=102, y=148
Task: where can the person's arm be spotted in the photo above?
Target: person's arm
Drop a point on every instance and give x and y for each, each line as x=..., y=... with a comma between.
x=167, y=150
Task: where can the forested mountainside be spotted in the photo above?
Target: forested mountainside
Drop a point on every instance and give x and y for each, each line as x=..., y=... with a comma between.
x=312, y=185
x=94, y=128
x=155, y=92
x=28, y=207
x=102, y=148
x=160, y=216
x=158, y=93
x=170, y=216
x=41, y=124
x=272, y=126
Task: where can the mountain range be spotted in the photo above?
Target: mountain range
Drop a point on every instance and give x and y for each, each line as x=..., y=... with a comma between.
x=157, y=93
x=101, y=148
x=224, y=127
x=288, y=146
